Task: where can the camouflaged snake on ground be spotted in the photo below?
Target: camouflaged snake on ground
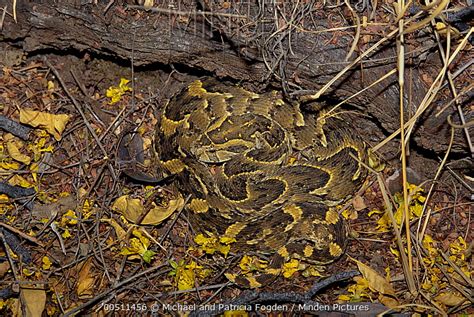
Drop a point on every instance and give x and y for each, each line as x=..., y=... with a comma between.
x=260, y=170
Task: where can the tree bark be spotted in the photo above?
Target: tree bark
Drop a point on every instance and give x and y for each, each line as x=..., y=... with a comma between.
x=222, y=47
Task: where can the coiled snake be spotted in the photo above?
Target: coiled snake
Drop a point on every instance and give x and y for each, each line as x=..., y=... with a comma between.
x=261, y=171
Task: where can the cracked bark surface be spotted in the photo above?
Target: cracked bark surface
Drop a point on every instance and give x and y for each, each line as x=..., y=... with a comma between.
x=209, y=47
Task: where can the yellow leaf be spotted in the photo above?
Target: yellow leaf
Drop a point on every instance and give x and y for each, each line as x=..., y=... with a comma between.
x=443, y=29
x=230, y=277
x=148, y=4
x=115, y=93
x=374, y=212
x=17, y=180
x=375, y=163
x=211, y=244
x=202, y=239
x=144, y=240
x=350, y=214
x=132, y=209
x=395, y=252
x=458, y=246
x=66, y=234
x=50, y=85
x=27, y=272
x=227, y=240
x=450, y=299
x=39, y=146
x=53, y=123
x=427, y=241
x=158, y=214
x=376, y=281
x=69, y=218
x=87, y=208
x=85, y=288
x=248, y=264
x=9, y=165
x=186, y=280
x=4, y=199
x=46, y=263
x=33, y=300
x=416, y=209
x=184, y=275
x=290, y=268
x=13, y=148
x=344, y=298
x=138, y=248
x=359, y=290
x=34, y=168
x=383, y=224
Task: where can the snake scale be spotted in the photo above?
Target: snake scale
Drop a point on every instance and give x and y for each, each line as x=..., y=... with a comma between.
x=260, y=170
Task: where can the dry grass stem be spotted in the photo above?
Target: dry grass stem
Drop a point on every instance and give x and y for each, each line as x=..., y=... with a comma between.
x=420, y=235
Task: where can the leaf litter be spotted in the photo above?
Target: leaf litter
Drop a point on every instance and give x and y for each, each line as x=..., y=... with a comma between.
x=110, y=232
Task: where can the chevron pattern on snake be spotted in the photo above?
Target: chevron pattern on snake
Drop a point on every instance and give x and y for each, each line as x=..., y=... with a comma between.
x=261, y=171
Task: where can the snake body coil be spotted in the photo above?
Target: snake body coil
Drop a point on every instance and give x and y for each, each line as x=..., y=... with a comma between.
x=260, y=170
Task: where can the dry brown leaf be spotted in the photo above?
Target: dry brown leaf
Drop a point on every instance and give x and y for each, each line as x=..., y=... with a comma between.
x=33, y=301
x=359, y=203
x=132, y=209
x=121, y=234
x=4, y=267
x=388, y=301
x=15, y=307
x=85, y=281
x=450, y=299
x=376, y=281
x=13, y=148
x=53, y=123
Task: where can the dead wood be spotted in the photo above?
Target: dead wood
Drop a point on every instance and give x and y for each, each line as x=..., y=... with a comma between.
x=245, y=47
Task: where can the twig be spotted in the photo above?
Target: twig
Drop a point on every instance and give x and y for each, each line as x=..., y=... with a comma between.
x=61, y=242
x=19, y=193
x=7, y=252
x=401, y=81
x=201, y=288
x=469, y=281
x=15, y=128
x=86, y=121
x=389, y=208
x=254, y=297
x=357, y=35
x=429, y=96
x=428, y=196
x=22, y=234
x=15, y=245
x=15, y=191
x=2, y=19
x=330, y=280
x=113, y=288
x=163, y=237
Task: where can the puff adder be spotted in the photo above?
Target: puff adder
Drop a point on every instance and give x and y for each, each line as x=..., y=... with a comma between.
x=261, y=171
